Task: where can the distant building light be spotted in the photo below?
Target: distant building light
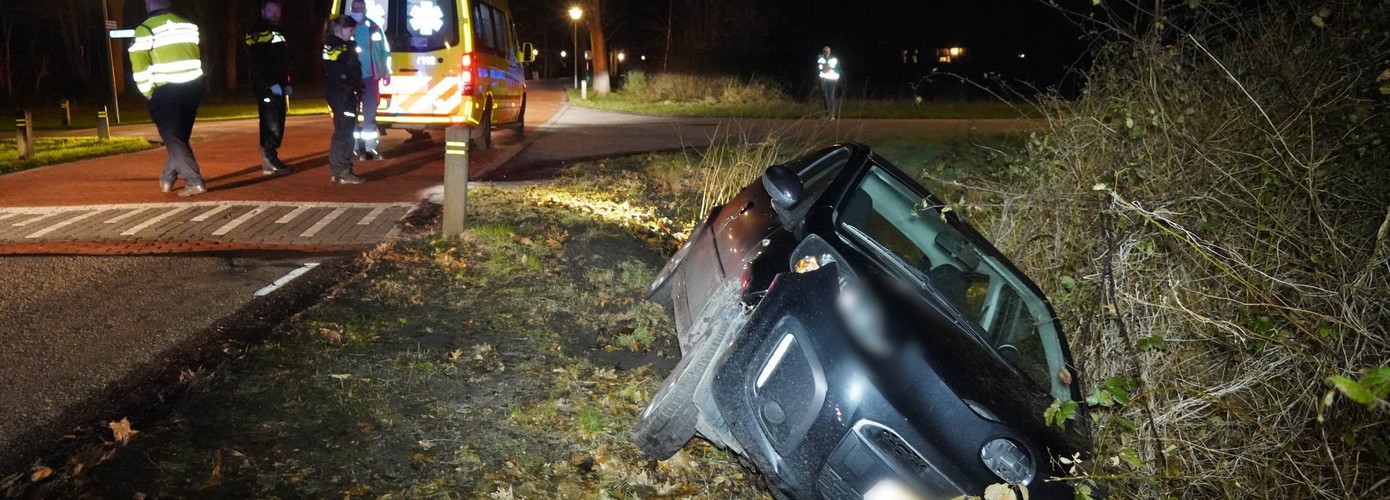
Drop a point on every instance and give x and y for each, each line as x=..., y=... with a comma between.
x=1022, y=55
x=621, y=57
x=644, y=58
x=564, y=54
x=956, y=51
x=944, y=59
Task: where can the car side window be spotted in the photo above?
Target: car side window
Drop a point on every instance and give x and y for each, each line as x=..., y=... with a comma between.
x=893, y=219
x=816, y=177
x=482, y=25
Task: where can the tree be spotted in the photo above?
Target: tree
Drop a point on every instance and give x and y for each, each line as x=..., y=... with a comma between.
x=598, y=51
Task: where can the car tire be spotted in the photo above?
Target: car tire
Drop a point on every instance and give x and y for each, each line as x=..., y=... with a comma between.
x=519, y=130
x=669, y=420
x=484, y=140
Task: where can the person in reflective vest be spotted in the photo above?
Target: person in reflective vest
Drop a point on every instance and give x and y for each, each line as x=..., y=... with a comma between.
x=270, y=82
x=342, y=88
x=168, y=69
x=828, y=67
x=375, y=57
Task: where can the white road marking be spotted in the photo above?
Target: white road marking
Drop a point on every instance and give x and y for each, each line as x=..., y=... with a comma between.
x=6, y=215
x=324, y=222
x=288, y=277
x=208, y=214
x=61, y=225
x=371, y=216
x=126, y=215
x=33, y=220
x=291, y=216
x=156, y=220
x=228, y=227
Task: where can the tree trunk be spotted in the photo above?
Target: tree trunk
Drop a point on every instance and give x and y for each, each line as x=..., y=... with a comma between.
x=117, y=14
x=598, y=52
x=233, y=38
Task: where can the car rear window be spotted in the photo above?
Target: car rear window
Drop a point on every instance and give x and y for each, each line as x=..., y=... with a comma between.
x=414, y=25
x=895, y=220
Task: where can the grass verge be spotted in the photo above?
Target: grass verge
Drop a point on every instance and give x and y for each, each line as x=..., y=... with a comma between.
x=51, y=150
x=707, y=96
x=134, y=112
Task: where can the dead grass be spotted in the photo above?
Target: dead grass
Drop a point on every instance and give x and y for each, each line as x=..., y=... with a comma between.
x=1210, y=221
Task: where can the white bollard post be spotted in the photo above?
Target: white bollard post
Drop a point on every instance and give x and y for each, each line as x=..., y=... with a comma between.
x=584, y=90
x=455, y=179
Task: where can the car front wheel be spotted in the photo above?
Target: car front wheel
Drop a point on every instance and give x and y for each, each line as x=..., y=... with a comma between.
x=669, y=420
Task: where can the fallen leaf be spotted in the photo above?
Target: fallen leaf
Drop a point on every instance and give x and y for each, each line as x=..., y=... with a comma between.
x=331, y=335
x=40, y=474
x=455, y=355
x=122, y=431
x=1000, y=492
x=341, y=376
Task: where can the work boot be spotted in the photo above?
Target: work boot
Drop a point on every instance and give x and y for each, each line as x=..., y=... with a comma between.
x=346, y=178
x=273, y=166
x=166, y=186
x=193, y=190
x=372, y=154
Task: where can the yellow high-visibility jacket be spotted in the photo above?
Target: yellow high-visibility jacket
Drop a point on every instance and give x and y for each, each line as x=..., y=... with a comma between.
x=165, y=51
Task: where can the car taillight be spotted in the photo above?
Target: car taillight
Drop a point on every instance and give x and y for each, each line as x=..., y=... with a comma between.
x=466, y=74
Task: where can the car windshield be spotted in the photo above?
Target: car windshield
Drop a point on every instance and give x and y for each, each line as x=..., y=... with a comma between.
x=893, y=219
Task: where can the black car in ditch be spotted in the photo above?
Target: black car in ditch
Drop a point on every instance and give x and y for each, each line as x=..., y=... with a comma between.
x=853, y=338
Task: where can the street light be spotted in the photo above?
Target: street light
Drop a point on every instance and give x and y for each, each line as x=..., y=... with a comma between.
x=575, y=14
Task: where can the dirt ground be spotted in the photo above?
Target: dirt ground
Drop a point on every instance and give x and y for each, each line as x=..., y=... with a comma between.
x=510, y=362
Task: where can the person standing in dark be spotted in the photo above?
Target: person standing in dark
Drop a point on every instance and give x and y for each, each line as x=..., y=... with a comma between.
x=167, y=66
x=375, y=57
x=343, y=89
x=828, y=67
x=270, y=81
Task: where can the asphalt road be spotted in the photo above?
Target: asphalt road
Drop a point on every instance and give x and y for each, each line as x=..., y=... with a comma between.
x=72, y=325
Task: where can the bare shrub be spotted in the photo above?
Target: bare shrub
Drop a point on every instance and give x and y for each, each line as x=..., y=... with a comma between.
x=679, y=88
x=1211, y=221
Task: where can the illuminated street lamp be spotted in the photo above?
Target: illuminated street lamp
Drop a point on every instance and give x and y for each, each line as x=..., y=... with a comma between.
x=575, y=14
x=564, y=54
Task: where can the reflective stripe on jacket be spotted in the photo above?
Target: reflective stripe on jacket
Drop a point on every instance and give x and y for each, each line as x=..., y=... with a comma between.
x=270, y=58
x=829, y=69
x=165, y=51
x=342, y=77
x=372, y=51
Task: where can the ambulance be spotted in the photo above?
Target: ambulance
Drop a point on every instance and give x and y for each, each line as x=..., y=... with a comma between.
x=454, y=62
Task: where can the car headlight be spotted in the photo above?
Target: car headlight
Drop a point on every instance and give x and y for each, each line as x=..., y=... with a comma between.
x=1008, y=461
x=892, y=489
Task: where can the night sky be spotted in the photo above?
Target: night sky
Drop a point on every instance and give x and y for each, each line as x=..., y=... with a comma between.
x=780, y=39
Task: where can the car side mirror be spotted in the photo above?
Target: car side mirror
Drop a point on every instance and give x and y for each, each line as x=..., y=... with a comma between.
x=528, y=53
x=785, y=189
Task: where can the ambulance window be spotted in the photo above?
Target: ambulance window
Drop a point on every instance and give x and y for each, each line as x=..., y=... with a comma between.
x=422, y=25
x=483, y=23
x=499, y=26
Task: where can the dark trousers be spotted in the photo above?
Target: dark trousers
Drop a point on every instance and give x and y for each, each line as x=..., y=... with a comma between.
x=371, y=98
x=272, y=110
x=340, y=149
x=173, y=108
x=828, y=87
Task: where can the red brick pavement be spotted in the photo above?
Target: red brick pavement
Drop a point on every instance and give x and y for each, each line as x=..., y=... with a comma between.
x=230, y=165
